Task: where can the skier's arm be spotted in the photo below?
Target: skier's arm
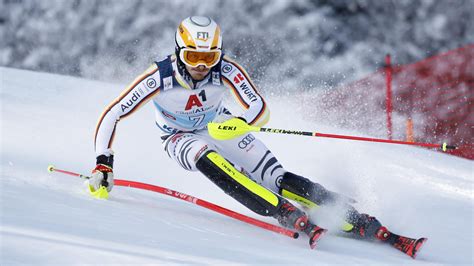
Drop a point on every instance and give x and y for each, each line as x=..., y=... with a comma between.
x=245, y=92
x=140, y=91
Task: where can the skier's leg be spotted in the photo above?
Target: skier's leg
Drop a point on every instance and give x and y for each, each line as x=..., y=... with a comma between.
x=313, y=195
x=194, y=152
x=254, y=196
x=234, y=183
x=262, y=166
x=249, y=155
x=253, y=158
x=257, y=162
x=358, y=225
x=303, y=190
x=184, y=148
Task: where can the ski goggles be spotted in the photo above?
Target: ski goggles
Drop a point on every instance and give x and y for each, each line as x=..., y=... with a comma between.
x=194, y=58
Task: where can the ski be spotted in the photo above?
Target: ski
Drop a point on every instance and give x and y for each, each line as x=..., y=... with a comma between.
x=409, y=246
x=315, y=233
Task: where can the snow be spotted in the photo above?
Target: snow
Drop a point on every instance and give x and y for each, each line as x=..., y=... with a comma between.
x=50, y=219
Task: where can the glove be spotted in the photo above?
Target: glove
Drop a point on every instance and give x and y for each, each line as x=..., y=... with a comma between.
x=102, y=174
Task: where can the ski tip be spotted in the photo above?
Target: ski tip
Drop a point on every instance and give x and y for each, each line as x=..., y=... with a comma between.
x=50, y=168
x=418, y=245
x=313, y=240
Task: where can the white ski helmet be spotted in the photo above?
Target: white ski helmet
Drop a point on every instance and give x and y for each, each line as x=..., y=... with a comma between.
x=199, y=42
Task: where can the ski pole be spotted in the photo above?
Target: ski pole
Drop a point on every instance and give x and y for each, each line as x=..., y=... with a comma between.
x=100, y=193
x=236, y=127
x=191, y=199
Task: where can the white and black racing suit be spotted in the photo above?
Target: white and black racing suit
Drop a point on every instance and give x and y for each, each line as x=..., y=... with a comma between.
x=183, y=109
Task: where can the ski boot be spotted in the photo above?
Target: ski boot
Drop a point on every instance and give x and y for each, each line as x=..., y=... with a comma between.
x=364, y=226
x=290, y=216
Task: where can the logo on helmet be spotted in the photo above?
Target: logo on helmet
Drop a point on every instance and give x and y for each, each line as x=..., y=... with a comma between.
x=202, y=36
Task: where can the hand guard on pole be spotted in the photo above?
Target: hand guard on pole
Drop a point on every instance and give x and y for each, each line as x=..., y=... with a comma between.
x=230, y=129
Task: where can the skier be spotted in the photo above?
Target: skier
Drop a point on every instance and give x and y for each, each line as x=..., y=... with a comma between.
x=187, y=89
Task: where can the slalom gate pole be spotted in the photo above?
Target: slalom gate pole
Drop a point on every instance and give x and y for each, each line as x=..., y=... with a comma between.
x=235, y=127
x=191, y=199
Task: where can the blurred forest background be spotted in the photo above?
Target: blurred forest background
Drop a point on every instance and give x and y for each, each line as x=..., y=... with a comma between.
x=285, y=44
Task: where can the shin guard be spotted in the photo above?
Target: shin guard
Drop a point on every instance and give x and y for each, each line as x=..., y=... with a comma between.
x=304, y=191
x=252, y=195
x=313, y=195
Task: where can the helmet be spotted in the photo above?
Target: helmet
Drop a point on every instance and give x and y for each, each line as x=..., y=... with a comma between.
x=198, y=42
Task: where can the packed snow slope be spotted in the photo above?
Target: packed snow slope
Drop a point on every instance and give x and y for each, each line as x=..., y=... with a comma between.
x=50, y=218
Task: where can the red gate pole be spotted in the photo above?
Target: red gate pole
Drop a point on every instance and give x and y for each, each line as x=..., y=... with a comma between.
x=191, y=199
x=388, y=98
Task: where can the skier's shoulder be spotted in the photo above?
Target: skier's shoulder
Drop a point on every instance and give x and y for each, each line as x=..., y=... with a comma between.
x=151, y=77
x=166, y=66
x=229, y=65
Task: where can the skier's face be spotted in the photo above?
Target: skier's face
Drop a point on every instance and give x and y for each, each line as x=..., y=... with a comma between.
x=199, y=72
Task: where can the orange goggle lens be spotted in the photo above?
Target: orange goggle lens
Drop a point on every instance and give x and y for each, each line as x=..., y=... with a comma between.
x=193, y=58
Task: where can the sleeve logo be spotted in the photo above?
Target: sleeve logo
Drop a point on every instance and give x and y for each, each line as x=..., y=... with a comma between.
x=151, y=83
x=202, y=36
x=128, y=103
x=238, y=78
x=227, y=68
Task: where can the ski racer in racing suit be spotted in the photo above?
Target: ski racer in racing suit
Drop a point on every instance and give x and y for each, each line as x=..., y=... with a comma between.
x=187, y=89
